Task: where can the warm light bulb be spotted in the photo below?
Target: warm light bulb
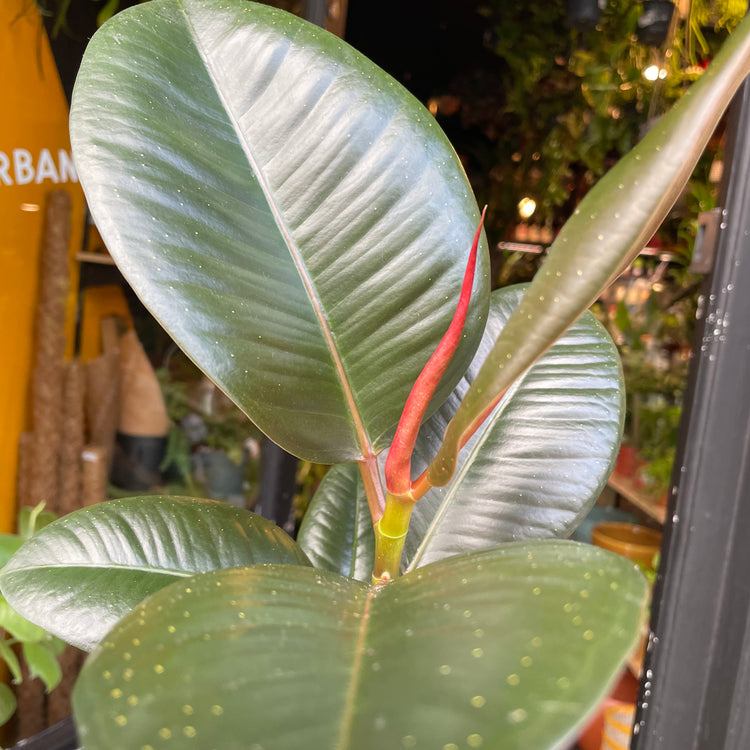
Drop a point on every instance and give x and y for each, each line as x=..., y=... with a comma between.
x=652, y=72
x=526, y=207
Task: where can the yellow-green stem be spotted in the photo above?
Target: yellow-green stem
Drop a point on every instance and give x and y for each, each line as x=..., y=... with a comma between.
x=390, y=533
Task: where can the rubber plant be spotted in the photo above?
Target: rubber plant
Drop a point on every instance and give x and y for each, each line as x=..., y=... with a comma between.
x=302, y=228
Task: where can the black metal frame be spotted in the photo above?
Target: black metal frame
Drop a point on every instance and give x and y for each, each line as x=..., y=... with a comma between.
x=695, y=693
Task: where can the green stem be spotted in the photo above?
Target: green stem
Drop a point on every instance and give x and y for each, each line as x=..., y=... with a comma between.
x=390, y=533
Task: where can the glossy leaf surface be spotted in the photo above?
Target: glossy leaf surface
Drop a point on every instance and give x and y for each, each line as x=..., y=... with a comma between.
x=336, y=532
x=508, y=648
x=292, y=216
x=78, y=576
x=610, y=227
x=541, y=459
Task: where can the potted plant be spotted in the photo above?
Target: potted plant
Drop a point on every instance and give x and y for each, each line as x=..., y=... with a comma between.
x=210, y=440
x=300, y=226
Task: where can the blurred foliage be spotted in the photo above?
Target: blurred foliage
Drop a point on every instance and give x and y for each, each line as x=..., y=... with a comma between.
x=563, y=104
x=308, y=478
x=58, y=10
x=40, y=649
x=652, y=323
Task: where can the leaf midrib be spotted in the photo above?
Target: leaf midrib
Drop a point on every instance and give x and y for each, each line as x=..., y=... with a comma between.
x=347, y=717
x=361, y=432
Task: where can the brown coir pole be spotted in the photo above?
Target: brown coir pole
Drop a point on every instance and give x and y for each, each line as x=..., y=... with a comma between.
x=47, y=382
x=71, y=447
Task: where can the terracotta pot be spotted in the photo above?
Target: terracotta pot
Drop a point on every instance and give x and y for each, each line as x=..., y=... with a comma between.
x=637, y=543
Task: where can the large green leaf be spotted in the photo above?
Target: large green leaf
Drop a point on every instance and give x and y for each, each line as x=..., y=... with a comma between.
x=509, y=648
x=78, y=576
x=293, y=217
x=336, y=532
x=540, y=460
x=607, y=230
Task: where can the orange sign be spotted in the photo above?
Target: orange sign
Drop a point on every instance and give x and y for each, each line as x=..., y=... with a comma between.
x=34, y=159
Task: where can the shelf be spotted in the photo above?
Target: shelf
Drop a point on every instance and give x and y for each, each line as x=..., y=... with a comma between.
x=102, y=258
x=635, y=496
x=521, y=247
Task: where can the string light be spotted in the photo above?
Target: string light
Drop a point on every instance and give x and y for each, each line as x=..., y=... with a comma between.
x=652, y=72
x=526, y=207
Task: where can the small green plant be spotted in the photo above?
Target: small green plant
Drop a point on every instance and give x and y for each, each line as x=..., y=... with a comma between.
x=201, y=419
x=301, y=227
x=40, y=649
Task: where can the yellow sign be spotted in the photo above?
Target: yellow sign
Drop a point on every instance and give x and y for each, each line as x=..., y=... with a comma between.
x=34, y=159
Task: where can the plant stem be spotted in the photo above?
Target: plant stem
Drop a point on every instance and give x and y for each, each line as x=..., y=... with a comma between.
x=373, y=487
x=390, y=533
x=398, y=463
